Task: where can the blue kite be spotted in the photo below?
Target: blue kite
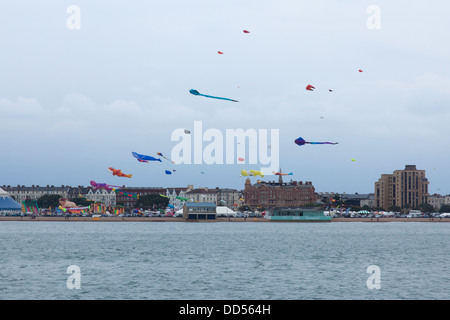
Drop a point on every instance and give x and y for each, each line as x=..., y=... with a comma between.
x=196, y=93
x=300, y=141
x=144, y=158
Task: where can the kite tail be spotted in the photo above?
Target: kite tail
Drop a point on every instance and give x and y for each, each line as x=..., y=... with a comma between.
x=221, y=98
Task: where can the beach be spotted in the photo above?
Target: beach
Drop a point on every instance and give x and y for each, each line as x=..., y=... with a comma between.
x=218, y=219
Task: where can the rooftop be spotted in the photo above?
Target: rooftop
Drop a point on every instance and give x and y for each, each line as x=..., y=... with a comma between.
x=200, y=204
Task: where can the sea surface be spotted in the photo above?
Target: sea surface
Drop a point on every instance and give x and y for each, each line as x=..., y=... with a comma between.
x=224, y=260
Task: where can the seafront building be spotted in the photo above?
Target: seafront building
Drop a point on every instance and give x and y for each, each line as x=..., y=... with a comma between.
x=269, y=194
x=358, y=199
x=348, y=199
x=202, y=194
x=406, y=188
x=437, y=200
x=199, y=210
x=230, y=198
x=21, y=193
x=130, y=202
x=107, y=197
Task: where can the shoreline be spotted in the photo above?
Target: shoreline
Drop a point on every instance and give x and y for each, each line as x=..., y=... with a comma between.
x=219, y=219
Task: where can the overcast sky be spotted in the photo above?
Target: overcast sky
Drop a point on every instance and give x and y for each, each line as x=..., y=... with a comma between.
x=80, y=92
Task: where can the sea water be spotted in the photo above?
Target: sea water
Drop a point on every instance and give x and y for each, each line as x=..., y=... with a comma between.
x=224, y=260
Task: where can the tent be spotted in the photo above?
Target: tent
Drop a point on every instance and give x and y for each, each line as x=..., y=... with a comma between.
x=225, y=212
x=7, y=203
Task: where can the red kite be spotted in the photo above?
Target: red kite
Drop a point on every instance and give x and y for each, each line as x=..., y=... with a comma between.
x=310, y=87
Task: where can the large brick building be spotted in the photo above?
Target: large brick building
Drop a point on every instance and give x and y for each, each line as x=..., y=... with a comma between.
x=278, y=194
x=406, y=188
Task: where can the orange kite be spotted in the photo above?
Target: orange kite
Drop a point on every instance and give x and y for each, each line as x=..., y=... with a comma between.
x=119, y=173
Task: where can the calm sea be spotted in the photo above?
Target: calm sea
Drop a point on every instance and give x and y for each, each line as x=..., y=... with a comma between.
x=224, y=260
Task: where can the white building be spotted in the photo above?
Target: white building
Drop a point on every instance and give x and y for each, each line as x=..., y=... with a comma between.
x=108, y=197
x=437, y=200
x=202, y=195
x=174, y=195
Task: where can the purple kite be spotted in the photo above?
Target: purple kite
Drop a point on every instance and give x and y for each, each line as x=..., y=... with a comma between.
x=300, y=141
x=105, y=186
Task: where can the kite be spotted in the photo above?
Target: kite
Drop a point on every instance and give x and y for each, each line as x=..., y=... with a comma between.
x=300, y=141
x=252, y=173
x=102, y=185
x=163, y=196
x=246, y=31
x=183, y=199
x=282, y=174
x=187, y=131
x=241, y=159
x=168, y=172
x=353, y=159
x=202, y=172
x=196, y=93
x=219, y=52
x=360, y=70
x=127, y=194
x=310, y=87
x=119, y=173
x=144, y=158
x=330, y=90
x=161, y=155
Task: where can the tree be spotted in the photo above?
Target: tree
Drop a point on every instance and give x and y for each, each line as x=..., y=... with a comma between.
x=426, y=207
x=337, y=201
x=152, y=201
x=48, y=200
x=444, y=208
x=395, y=208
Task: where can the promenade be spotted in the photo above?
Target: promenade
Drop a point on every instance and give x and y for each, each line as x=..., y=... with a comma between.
x=219, y=219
